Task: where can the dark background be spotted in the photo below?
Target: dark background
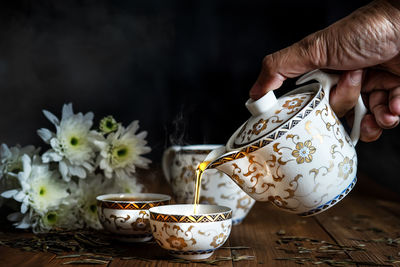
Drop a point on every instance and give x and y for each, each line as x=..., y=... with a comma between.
x=183, y=68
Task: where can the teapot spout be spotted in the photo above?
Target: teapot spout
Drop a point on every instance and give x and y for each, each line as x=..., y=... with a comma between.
x=251, y=173
x=214, y=156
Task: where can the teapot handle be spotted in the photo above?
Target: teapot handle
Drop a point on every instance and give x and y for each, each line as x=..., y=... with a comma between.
x=166, y=162
x=328, y=81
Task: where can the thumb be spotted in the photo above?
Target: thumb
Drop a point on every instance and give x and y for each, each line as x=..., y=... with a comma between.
x=297, y=59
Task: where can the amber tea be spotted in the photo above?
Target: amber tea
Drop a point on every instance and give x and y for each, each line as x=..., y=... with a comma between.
x=199, y=173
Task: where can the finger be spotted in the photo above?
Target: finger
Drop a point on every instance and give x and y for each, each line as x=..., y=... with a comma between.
x=370, y=130
x=377, y=79
x=290, y=62
x=378, y=103
x=344, y=97
x=394, y=101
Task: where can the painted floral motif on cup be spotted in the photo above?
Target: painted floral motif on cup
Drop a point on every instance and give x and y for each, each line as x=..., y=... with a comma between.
x=244, y=203
x=142, y=223
x=217, y=237
x=191, y=238
x=176, y=242
x=136, y=221
x=178, y=238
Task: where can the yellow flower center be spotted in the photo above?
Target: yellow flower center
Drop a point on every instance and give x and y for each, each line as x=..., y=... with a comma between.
x=42, y=191
x=51, y=217
x=120, y=153
x=93, y=208
x=74, y=141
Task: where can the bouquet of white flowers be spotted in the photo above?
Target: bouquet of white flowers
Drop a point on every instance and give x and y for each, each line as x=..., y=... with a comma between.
x=58, y=189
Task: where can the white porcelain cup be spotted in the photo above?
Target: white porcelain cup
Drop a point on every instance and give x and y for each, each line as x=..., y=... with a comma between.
x=126, y=216
x=179, y=167
x=190, y=235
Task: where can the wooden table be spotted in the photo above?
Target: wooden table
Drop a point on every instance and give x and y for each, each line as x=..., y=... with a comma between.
x=365, y=224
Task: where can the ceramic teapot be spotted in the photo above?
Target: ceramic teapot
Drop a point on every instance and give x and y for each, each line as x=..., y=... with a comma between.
x=294, y=151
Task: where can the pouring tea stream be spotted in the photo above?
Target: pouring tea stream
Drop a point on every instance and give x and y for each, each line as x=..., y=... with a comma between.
x=293, y=151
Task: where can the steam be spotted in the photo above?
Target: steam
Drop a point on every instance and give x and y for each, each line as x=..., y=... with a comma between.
x=178, y=135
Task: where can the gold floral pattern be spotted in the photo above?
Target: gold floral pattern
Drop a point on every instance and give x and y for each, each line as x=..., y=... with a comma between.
x=277, y=200
x=259, y=126
x=333, y=124
x=142, y=223
x=176, y=242
x=119, y=220
x=244, y=203
x=188, y=174
x=218, y=240
x=345, y=168
x=303, y=152
x=292, y=104
x=177, y=238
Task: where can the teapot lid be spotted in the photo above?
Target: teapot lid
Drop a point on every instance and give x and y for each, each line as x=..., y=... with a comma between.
x=269, y=114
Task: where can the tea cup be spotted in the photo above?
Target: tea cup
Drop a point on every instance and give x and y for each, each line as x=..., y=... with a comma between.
x=126, y=216
x=179, y=167
x=191, y=235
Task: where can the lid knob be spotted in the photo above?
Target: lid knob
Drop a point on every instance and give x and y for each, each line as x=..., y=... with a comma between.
x=261, y=105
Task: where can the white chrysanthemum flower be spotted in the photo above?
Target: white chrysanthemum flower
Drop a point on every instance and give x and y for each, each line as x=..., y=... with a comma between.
x=10, y=159
x=11, y=165
x=108, y=124
x=127, y=185
x=121, y=151
x=86, y=193
x=40, y=189
x=72, y=144
x=64, y=216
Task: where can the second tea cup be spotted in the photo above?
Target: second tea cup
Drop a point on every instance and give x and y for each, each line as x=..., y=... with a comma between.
x=126, y=216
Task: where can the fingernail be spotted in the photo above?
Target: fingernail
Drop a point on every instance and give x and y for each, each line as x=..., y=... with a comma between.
x=355, y=77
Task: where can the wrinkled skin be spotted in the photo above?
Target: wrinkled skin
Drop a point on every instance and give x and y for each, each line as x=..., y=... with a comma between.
x=365, y=48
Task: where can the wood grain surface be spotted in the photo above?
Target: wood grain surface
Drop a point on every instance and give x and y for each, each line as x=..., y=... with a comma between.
x=364, y=225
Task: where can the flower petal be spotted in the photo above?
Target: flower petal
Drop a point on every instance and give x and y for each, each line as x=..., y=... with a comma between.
x=142, y=135
x=77, y=171
x=299, y=145
x=24, y=208
x=67, y=111
x=51, y=155
x=25, y=223
x=62, y=167
x=9, y=193
x=19, y=196
x=50, y=116
x=5, y=151
x=89, y=117
x=45, y=134
x=15, y=216
x=134, y=126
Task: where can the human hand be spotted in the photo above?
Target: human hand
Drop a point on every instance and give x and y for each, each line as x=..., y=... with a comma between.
x=366, y=47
